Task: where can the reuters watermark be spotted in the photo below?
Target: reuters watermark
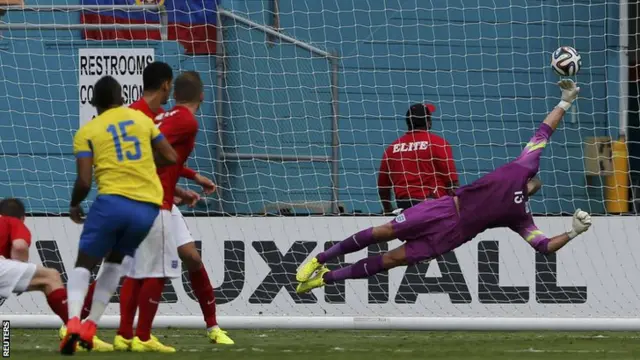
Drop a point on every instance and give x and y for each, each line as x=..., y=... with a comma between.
x=6, y=338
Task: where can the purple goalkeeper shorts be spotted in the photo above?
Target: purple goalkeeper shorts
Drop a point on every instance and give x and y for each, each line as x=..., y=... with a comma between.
x=430, y=229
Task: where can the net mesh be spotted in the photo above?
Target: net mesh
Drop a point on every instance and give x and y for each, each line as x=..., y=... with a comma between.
x=280, y=106
x=267, y=137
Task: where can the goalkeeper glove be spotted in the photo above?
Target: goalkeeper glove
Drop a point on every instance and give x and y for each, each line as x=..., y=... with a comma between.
x=397, y=212
x=581, y=223
x=569, y=93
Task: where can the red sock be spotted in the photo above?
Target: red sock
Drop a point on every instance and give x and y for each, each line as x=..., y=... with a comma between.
x=57, y=300
x=148, y=302
x=86, y=308
x=129, y=293
x=203, y=290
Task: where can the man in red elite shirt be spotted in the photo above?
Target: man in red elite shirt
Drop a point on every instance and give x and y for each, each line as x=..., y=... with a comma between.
x=418, y=166
x=150, y=269
x=16, y=274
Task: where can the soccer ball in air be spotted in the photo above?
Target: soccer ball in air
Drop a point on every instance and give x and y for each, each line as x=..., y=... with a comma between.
x=566, y=61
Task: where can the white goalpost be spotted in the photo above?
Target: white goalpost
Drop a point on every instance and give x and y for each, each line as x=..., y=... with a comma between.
x=301, y=100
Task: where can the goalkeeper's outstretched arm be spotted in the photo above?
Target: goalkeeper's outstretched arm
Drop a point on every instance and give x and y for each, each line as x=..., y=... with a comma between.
x=536, y=238
x=581, y=223
x=569, y=95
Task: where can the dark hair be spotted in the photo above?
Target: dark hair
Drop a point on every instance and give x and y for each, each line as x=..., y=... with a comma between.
x=419, y=116
x=155, y=75
x=107, y=93
x=188, y=87
x=12, y=207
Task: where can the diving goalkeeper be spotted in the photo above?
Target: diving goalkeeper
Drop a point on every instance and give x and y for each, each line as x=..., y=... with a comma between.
x=433, y=228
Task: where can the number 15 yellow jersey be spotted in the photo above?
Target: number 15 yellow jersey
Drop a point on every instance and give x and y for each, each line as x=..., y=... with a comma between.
x=119, y=140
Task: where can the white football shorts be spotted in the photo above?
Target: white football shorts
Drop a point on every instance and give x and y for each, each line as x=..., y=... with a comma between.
x=15, y=276
x=157, y=255
x=181, y=232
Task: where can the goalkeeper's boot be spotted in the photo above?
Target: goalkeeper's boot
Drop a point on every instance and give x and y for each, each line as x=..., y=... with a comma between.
x=307, y=270
x=219, y=336
x=71, y=337
x=121, y=344
x=151, y=345
x=98, y=344
x=315, y=282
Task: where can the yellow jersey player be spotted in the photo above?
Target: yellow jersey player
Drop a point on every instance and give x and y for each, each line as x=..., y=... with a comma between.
x=120, y=144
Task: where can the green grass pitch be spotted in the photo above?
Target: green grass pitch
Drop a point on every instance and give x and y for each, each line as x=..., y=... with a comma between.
x=352, y=345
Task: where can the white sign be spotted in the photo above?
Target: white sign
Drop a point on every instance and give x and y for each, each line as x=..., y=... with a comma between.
x=125, y=65
x=252, y=264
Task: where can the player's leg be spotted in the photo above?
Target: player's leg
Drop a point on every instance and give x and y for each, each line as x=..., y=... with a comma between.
x=364, y=268
x=130, y=222
x=148, y=303
x=19, y=277
x=423, y=248
x=79, y=278
x=129, y=293
x=198, y=276
x=99, y=345
x=98, y=236
x=145, y=255
x=427, y=228
x=141, y=265
x=154, y=262
x=48, y=281
x=405, y=226
x=106, y=285
x=86, y=307
x=353, y=243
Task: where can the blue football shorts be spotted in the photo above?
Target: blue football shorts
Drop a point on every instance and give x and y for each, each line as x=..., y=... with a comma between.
x=117, y=224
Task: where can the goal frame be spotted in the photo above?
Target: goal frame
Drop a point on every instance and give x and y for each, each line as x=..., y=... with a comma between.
x=334, y=322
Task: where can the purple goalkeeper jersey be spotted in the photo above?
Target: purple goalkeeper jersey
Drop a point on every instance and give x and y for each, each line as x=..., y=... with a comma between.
x=499, y=199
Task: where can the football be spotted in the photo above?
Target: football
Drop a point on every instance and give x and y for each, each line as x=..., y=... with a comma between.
x=566, y=61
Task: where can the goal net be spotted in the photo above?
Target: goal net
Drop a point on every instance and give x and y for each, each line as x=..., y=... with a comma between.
x=301, y=100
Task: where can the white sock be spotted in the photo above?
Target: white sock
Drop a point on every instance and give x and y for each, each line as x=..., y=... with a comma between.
x=213, y=327
x=77, y=286
x=106, y=284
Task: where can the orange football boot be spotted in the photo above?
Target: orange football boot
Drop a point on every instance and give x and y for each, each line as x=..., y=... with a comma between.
x=70, y=340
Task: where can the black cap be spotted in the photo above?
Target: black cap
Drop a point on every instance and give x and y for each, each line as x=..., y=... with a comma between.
x=419, y=114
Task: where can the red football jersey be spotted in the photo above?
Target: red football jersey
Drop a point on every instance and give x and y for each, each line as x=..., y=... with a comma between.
x=12, y=229
x=179, y=126
x=419, y=165
x=142, y=105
